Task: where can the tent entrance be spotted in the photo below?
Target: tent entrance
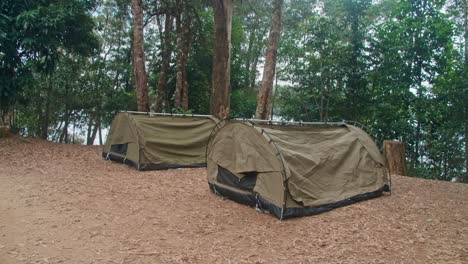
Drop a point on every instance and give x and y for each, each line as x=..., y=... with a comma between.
x=119, y=148
x=246, y=182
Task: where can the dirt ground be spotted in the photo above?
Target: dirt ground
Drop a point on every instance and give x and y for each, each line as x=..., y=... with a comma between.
x=65, y=204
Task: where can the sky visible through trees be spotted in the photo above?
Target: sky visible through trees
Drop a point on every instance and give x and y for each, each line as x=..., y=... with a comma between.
x=399, y=67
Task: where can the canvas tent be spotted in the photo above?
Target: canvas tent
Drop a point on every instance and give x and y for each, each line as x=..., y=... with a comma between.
x=294, y=170
x=150, y=141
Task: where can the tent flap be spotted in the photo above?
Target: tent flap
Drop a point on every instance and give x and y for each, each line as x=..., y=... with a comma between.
x=328, y=164
x=240, y=149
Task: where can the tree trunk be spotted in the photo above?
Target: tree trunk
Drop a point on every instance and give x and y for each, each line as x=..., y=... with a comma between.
x=64, y=135
x=465, y=36
x=221, y=87
x=258, y=51
x=46, y=120
x=160, y=31
x=417, y=73
x=183, y=47
x=65, y=129
x=100, y=134
x=253, y=71
x=248, y=59
x=166, y=59
x=185, y=54
x=395, y=156
x=179, y=61
x=185, y=96
x=321, y=85
x=73, y=133
x=90, y=127
x=94, y=132
x=264, y=101
x=141, y=79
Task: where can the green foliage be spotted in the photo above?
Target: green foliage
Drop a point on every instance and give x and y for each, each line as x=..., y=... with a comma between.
x=180, y=110
x=397, y=66
x=200, y=63
x=413, y=53
x=62, y=86
x=389, y=65
x=38, y=32
x=314, y=63
x=243, y=103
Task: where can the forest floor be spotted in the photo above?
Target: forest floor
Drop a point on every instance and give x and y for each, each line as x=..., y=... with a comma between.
x=65, y=204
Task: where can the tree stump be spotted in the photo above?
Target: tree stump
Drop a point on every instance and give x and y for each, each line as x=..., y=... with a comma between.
x=394, y=152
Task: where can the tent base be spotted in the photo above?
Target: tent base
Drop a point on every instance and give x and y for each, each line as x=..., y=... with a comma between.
x=284, y=213
x=149, y=166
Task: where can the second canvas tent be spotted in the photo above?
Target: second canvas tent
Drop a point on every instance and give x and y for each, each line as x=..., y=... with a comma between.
x=150, y=141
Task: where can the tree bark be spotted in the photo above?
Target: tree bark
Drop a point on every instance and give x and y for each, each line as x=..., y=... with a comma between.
x=395, y=156
x=265, y=99
x=100, y=134
x=94, y=131
x=65, y=129
x=141, y=79
x=465, y=114
x=166, y=59
x=183, y=47
x=185, y=54
x=179, y=63
x=258, y=51
x=253, y=71
x=248, y=59
x=90, y=127
x=221, y=78
x=67, y=113
x=46, y=120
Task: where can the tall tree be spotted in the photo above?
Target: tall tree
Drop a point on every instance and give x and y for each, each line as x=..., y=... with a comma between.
x=465, y=79
x=265, y=94
x=356, y=89
x=141, y=80
x=221, y=76
x=185, y=54
x=166, y=59
x=183, y=20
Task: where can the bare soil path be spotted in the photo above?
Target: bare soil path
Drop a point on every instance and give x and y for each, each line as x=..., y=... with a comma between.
x=65, y=204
